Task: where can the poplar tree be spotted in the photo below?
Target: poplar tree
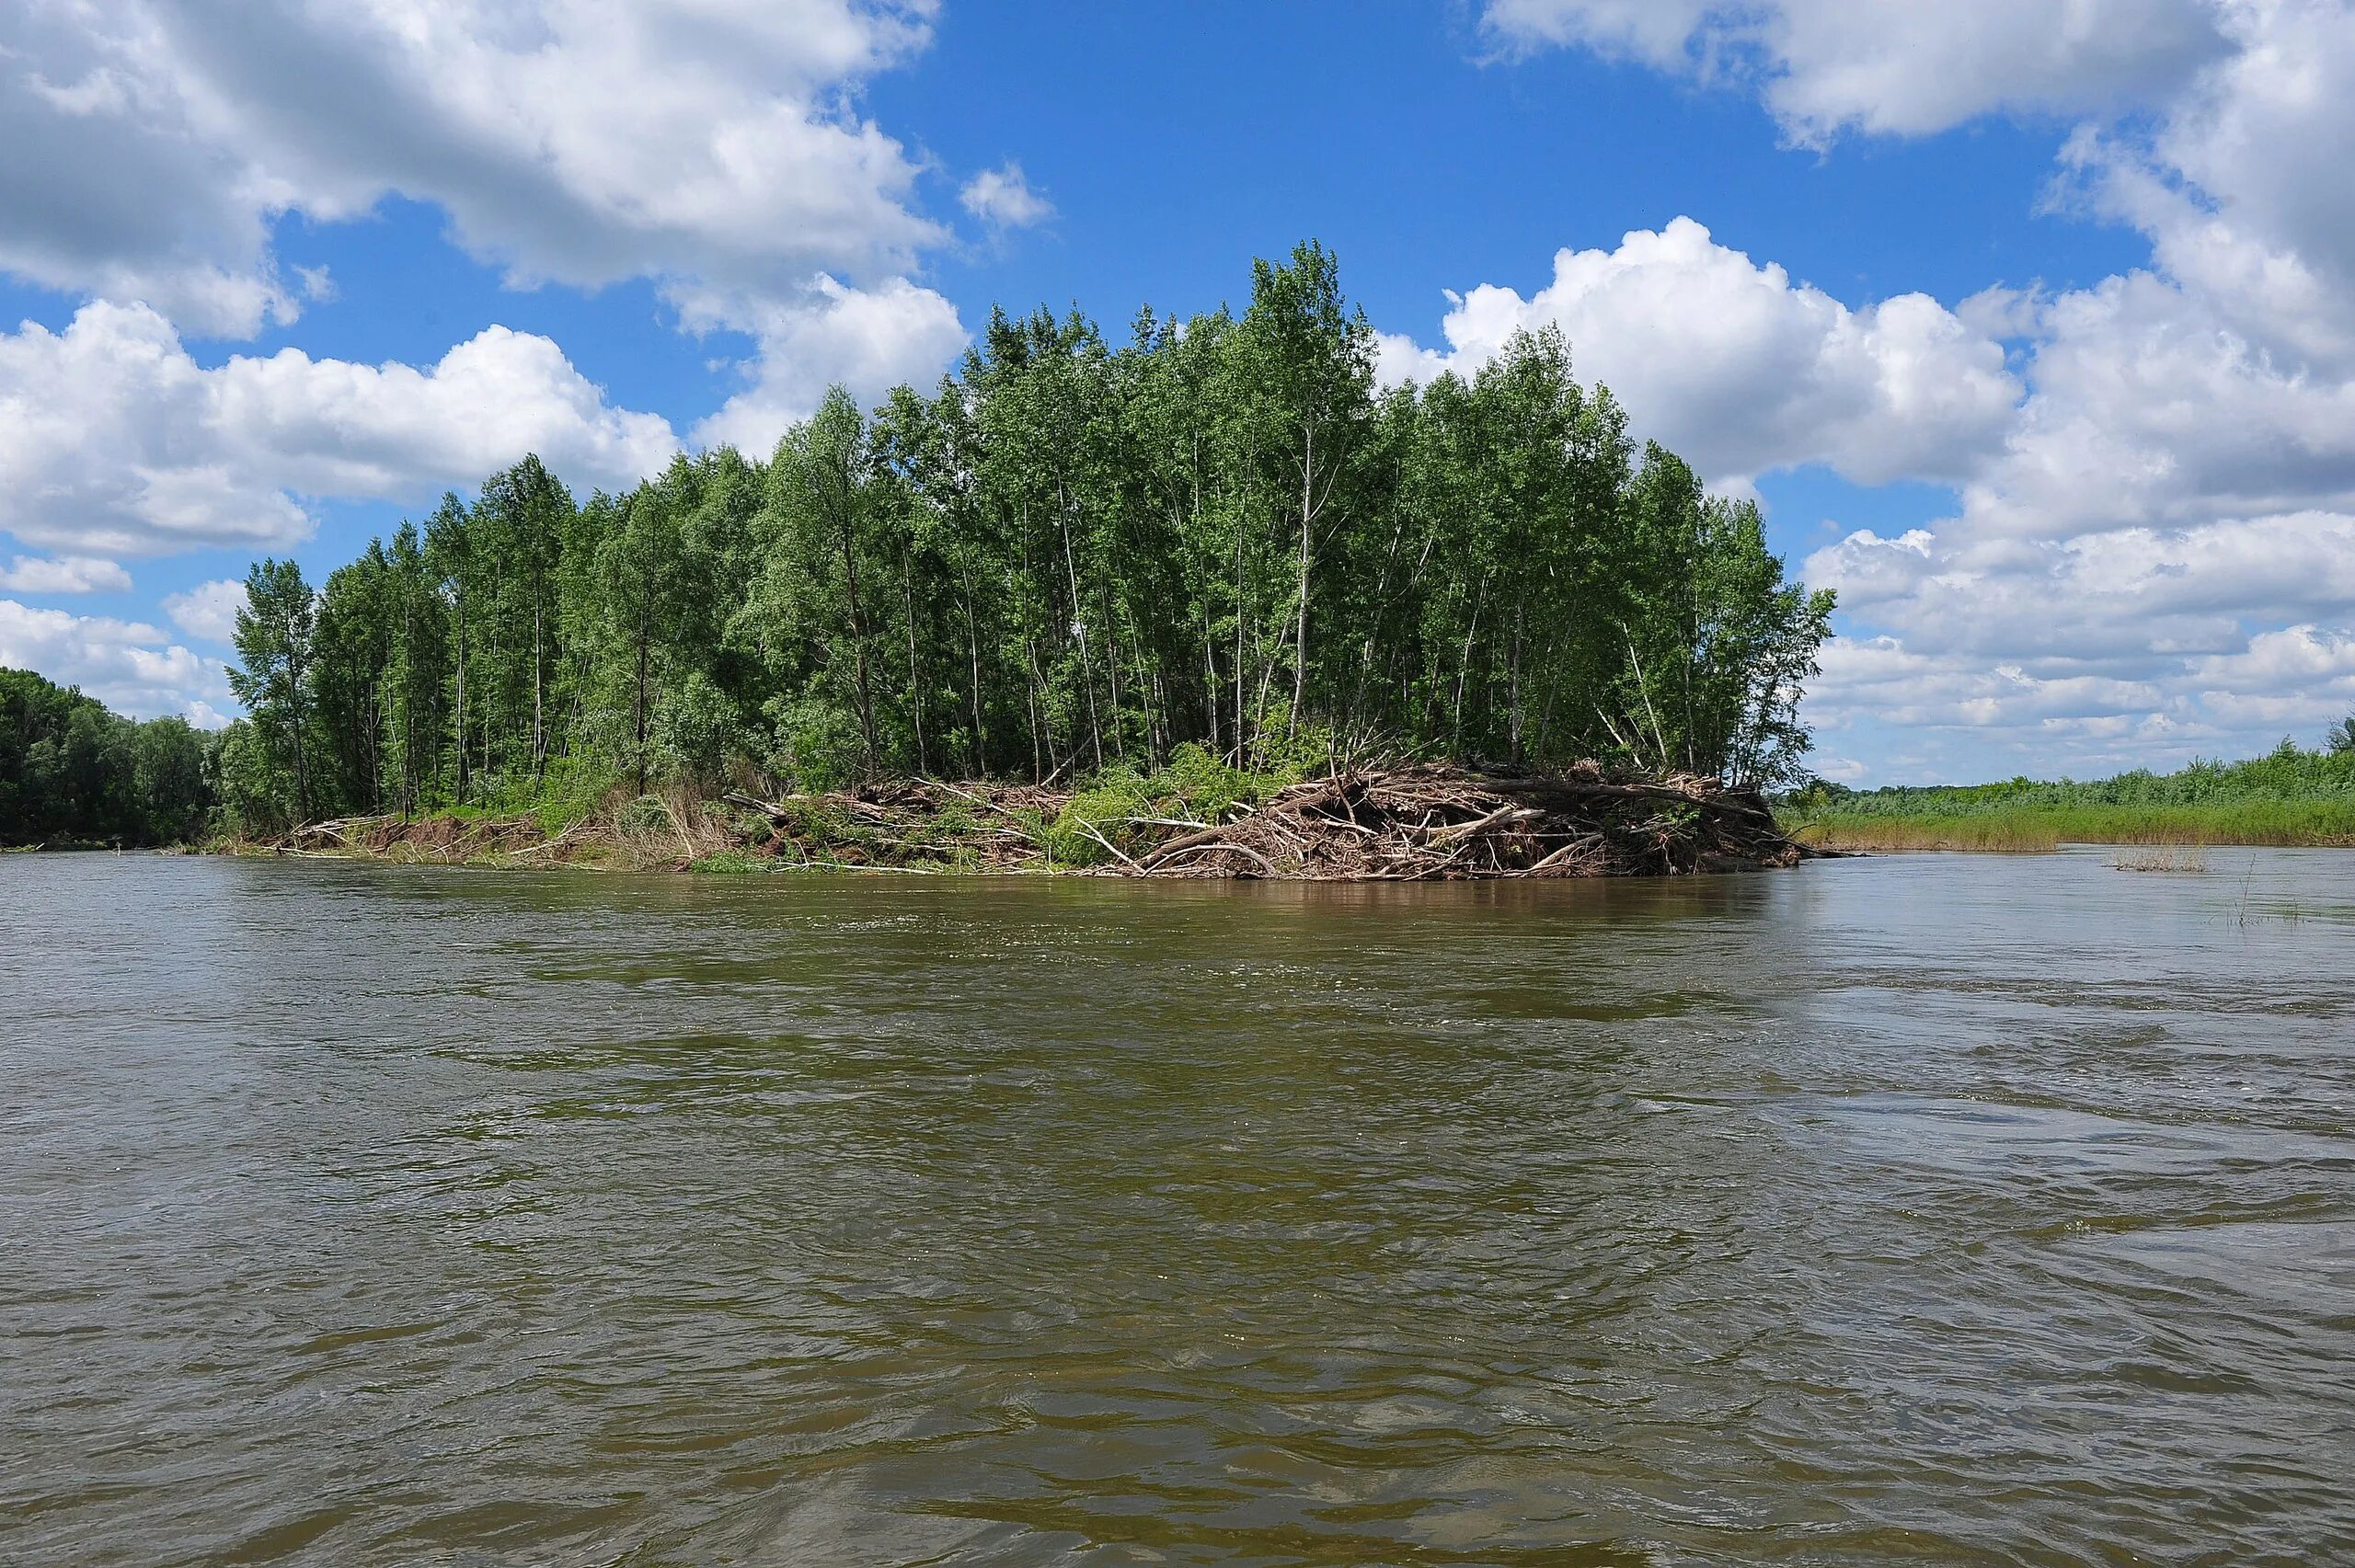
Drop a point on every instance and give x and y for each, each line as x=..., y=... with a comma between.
x=275, y=635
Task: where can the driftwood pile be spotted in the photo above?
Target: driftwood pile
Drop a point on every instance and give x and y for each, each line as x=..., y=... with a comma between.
x=1438, y=824
x=1416, y=824
x=520, y=840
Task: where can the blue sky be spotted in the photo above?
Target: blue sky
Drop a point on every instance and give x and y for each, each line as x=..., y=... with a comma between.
x=2030, y=325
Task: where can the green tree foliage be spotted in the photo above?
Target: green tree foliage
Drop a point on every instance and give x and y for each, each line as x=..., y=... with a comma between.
x=277, y=676
x=71, y=772
x=1068, y=558
x=2287, y=773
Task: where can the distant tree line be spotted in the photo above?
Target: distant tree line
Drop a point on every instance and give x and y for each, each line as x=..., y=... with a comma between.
x=73, y=772
x=2288, y=773
x=1068, y=557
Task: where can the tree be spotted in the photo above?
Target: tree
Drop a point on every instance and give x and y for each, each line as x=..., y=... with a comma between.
x=352, y=651
x=173, y=795
x=451, y=566
x=1312, y=366
x=521, y=522
x=70, y=769
x=642, y=575
x=417, y=667
x=275, y=642
x=816, y=530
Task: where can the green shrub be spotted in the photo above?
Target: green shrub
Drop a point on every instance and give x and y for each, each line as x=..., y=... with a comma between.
x=2041, y=828
x=818, y=743
x=2285, y=774
x=1095, y=817
x=1203, y=787
x=251, y=786
x=574, y=788
x=1288, y=752
x=695, y=729
x=645, y=815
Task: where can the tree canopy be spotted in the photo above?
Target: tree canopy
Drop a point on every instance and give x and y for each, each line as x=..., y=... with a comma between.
x=1066, y=557
x=71, y=772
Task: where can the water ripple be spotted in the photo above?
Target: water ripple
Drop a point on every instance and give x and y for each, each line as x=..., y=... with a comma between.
x=1932, y=1210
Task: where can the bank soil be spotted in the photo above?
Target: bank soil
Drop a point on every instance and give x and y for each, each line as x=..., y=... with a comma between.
x=1428, y=823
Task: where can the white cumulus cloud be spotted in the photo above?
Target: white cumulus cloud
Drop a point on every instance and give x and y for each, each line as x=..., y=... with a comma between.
x=714, y=147
x=868, y=340
x=1825, y=65
x=64, y=574
x=705, y=141
x=1739, y=369
x=1003, y=199
x=128, y=664
x=208, y=612
x=2151, y=552
x=112, y=438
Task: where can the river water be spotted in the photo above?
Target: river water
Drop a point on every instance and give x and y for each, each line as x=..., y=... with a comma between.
x=1918, y=1209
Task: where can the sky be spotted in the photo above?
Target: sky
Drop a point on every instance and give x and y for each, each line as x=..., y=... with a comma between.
x=2030, y=322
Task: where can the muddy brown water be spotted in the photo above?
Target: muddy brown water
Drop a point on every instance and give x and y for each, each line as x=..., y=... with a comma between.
x=1918, y=1209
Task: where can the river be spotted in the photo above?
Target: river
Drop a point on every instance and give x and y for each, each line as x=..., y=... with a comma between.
x=1917, y=1210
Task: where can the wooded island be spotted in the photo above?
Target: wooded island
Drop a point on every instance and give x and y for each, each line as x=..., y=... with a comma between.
x=1220, y=545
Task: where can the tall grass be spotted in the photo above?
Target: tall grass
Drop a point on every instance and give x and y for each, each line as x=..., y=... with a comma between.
x=2289, y=797
x=2037, y=828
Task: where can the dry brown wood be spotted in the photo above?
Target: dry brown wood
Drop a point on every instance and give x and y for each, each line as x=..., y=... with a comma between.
x=1411, y=823
x=1163, y=851
x=1238, y=848
x=774, y=808
x=969, y=794
x=1564, y=852
x=1506, y=813
x=1350, y=825
x=559, y=841
x=1089, y=829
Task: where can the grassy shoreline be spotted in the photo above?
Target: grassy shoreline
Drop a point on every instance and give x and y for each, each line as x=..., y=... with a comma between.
x=2031, y=829
x=2291, y=798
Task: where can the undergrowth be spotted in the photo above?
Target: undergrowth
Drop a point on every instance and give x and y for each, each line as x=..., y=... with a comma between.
x=1110, y=817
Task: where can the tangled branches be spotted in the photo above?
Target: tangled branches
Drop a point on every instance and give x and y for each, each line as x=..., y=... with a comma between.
x=1429, y=823
x=1441, y=824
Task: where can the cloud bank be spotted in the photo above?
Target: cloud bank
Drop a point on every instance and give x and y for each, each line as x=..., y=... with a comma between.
x=113, y=439
x=2153, y=549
